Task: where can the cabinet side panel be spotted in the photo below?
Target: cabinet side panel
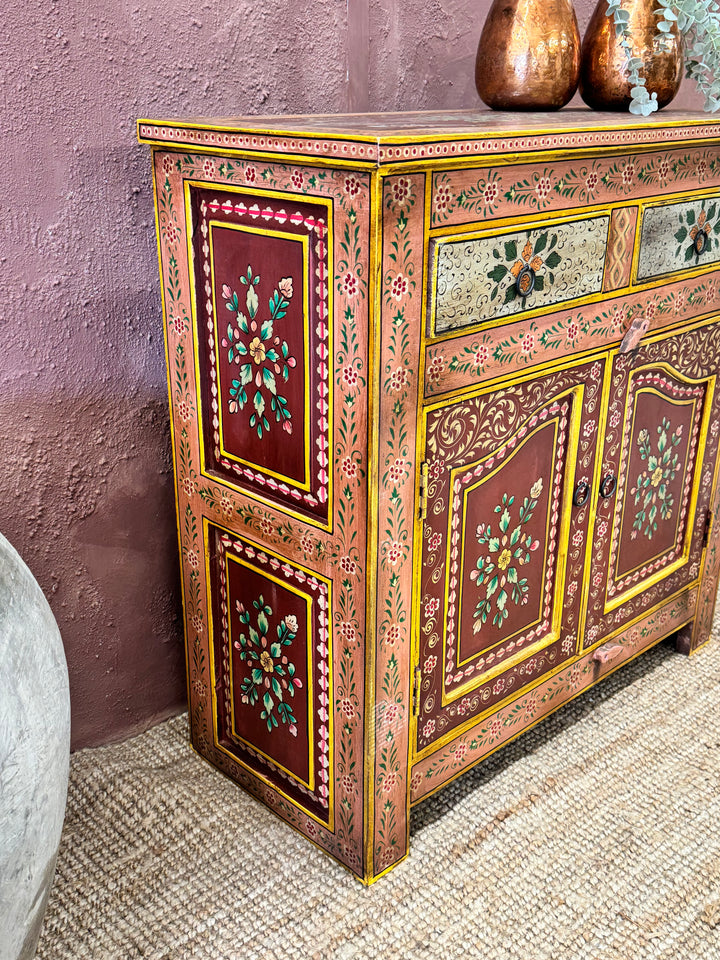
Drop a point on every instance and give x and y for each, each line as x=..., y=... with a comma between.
x=271, y=546
x=400, y=308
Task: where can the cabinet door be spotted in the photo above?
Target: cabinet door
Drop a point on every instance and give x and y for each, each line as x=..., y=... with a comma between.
x=503, y=542
x=658, y=468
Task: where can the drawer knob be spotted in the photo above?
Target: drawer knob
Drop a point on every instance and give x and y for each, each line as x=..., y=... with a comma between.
x=608, y=484
x=608, y=652
x=582, y=492
x=525, y=281
x=700, y=242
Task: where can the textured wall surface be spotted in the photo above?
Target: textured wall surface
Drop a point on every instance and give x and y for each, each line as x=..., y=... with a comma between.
x=86, y=486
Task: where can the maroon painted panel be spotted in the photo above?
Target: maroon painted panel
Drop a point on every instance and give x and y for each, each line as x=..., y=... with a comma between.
x=502, y=470
x=657, y=473
x=263, y=340
x=509, y=534
x=271, y=650
x=644, y=550
x=259, y=356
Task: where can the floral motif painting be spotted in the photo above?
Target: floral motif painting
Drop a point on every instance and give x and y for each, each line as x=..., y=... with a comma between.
x=652, y=488
x=527, y=269
x=265, y=345
x=691, y=224
x=271, y=675
x=261, y=355
x=498, y=568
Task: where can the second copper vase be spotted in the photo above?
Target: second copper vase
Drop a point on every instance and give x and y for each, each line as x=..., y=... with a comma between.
x=604, y=83
x=529, y=55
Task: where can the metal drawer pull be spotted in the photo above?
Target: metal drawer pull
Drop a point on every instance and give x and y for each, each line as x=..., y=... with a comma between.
x=700, y=242
x=525, y=281
x=608, y=485
x=608, y=652
x=582, y=492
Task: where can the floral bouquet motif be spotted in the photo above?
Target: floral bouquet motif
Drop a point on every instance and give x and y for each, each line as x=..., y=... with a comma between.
x=525, y=269
x=697, y=228
x=651, y=488
x=262, y=356
x=272, y=675
x=498, y=570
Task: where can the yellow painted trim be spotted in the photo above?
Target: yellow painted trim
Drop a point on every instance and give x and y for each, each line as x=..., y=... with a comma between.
x=606, y=361
x=304, y=242
x=374, y=341
x=328, y=824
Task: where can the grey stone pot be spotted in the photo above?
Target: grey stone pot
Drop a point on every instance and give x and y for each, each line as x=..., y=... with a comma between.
x=34, y=754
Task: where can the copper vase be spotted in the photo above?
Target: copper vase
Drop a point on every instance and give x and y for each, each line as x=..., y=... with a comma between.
x=604, y=83
x=529, y=55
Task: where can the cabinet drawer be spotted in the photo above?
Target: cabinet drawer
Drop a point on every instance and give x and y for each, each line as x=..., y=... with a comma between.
x=679, y=236
x=477, y=279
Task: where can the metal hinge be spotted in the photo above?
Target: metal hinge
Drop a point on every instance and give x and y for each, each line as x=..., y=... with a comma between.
x=422, y=510
x=708, y=527
x=416, y=692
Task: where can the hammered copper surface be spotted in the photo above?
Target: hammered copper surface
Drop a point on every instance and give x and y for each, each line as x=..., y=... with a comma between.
x=529, y=55
x=604, y=83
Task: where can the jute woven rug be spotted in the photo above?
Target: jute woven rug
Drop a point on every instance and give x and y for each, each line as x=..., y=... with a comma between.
x=594, y=837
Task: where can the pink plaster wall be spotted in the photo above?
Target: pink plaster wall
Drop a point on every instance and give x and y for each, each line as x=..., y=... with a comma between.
x=86, y=485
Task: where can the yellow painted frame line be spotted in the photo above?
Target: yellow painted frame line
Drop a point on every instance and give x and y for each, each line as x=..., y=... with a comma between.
x=252, y=494
x=328, y=824
x=309, y=666
x=304, y=241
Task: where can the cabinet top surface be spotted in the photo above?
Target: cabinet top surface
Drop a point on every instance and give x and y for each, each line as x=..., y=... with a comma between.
x=393, y=137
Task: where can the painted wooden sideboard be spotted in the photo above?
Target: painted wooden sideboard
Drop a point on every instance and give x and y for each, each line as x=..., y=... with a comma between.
x=445, y=426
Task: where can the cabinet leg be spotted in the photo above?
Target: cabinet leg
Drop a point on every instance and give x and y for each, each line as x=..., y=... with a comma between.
x=683, y=639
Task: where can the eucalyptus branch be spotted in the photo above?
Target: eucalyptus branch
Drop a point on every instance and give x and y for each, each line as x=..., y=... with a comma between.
x=642, y=102
x=698, y=23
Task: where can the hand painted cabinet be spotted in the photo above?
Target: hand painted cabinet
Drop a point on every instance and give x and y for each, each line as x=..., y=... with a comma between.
x=445, y=427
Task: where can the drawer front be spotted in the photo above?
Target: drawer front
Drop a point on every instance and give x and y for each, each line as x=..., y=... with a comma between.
x=479, y=279
x=679, y=236
x=500, y=588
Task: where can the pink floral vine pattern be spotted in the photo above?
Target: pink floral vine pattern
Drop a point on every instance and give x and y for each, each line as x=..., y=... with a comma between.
x=265, y=355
